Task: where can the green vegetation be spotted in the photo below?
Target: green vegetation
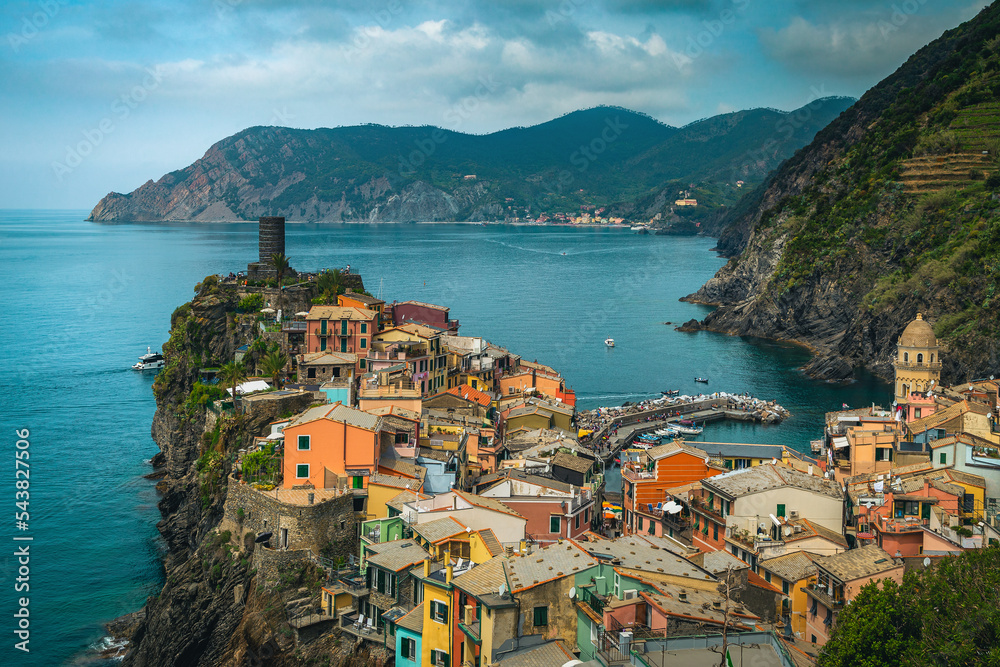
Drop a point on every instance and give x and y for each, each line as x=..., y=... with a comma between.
x=273, y=365
x=946, y=615
x=260, y=466
x=201, y=395
x=251, y=303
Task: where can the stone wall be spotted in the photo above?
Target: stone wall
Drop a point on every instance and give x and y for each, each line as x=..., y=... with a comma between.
x=270, y=563
x=266, y=408
x=329, y=525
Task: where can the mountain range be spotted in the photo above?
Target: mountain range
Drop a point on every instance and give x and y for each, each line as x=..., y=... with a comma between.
x=626, y=162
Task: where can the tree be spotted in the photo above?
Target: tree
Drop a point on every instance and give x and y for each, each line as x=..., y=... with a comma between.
x=875, y=630
x=232, y=374
x=328, y=285
x=273, y=365
x=281, y=265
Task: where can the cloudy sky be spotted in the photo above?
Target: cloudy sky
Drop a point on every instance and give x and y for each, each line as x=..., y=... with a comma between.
x=102, y=96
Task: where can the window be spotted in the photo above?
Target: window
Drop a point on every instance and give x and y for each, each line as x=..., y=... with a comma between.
x=540, y=616
x=576, y=521
x=943, y=458
x=409, y=648
x=364, y=343
x=303, y=443
x=640, y=523
x=439, y=611
x=784, y=587
x=302, y=471
x=715, y=531
x=586, y=515
x=767, y=576
x=916, y=413
x=883, y=453
x=361, y=363
x=311, y=372
x=439, y=658
x=364, y=327
x=968, y=503
x=781, y=510
x=555, y=525
x=920, y=358
x=906, y=356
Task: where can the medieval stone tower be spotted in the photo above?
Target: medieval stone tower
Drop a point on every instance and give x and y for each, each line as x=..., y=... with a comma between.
x=918, y=360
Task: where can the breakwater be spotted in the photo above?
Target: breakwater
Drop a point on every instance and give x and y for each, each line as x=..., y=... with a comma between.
x=614, y=428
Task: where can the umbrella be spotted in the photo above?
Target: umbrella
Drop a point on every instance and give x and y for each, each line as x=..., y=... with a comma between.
x=267, y=310
x=301, y=314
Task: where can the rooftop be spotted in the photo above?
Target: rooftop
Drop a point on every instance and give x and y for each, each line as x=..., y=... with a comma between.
x=858, y=563
x=392, y=480
x=550, y=654
x=470, y=394
x=338, y=413
x=329, y=358
x=439, y=529
x=485, y=578
x=635, y=553
x=674, y=447
x=718, y=562
x=340, y=313
x=397, y=501
x=571, y=462
x=791, y=567
x=767, y=477
x=422, y=305
x=414, y=620
x=490, y=541
x=552, y=562
x=396, y=555
x=403, y=468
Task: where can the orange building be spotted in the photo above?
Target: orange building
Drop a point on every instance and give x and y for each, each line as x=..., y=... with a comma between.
x=334, y=445
x=538, y=378
x=644, y=485
x=350, y=299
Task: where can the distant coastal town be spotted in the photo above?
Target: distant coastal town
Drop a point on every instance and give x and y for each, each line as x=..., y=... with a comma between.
x=456, y=508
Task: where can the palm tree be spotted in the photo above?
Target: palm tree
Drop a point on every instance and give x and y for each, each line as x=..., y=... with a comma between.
x=232, y=374
x=273, y=364
x=328, y=285
x=280, y=264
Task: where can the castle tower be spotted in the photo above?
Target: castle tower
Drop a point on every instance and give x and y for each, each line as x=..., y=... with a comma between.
x=270, y=237
x=918, y=360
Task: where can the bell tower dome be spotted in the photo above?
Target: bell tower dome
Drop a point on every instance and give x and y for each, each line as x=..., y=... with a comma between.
x=918, y=359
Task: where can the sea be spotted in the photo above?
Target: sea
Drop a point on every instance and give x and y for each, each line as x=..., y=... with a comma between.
x=83, y=300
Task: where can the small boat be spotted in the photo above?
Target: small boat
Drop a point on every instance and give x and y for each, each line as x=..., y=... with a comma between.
x=610, y=342
x=149, y=361
x=689, y=430
x=686, y=422
x=671, y=392
x=705, y=380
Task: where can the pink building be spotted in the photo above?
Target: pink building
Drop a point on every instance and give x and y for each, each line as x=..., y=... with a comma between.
x=555, y=510
x=422, y=313
x=839, y=578
x=341, y=329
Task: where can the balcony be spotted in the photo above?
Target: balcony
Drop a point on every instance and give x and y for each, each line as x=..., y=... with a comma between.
x=906, y=525
x=915, y=365
x=833, y=602
x=638, y=475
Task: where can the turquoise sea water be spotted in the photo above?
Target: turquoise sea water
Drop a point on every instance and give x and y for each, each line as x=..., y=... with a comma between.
x=82, y=301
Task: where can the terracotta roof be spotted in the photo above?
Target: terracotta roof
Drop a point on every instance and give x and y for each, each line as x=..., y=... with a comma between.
x=414, y=620
x=361, y=298
x=857, y=563
x=439, y=529
x=397, y=501
x=340, y=313
x=674, y=447
x=791, y=567
x=470, y=394
x=965, y=477
x=697, y=603
x=636, y=554
x=821, y=531
x=339, y=413
x=547, y=564
x=403, y=468
x=329, y=358
x=395, y=411
x=396, y=555
x=755, y=579
x=382, y=479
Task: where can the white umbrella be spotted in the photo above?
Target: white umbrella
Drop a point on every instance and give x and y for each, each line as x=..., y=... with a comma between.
x=267, y=310
x=301, y=314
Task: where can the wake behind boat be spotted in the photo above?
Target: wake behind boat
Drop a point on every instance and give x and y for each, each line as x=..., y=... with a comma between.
x=149, y=361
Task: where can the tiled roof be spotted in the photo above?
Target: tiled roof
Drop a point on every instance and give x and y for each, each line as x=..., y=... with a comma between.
x=819, y=530
x=340, y=313
x=637, y=554
x=551, y=654
x=738, y=483
x=339, y=413
x=490, y=541
x=485, y=578
x=486, y=503
x=697, y=604
x=552, y=562
x=740, y=450
x=965, y=477
x=718, y=562
x=413, y=621
x=329, y=358
x=439, y=529
x=392, y=480
x=435, y=454
x=362, y=298
x=397, y=501
x=528, y=478
x=395, y=411
x=857, y=563
x=396, y=555
x=571, y=462
x=673, y=447
x=422, y=304
x=404, y=468
x=470, y=394
x=791, y=567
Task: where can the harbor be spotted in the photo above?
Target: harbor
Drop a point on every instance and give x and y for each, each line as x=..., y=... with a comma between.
x=608, y=430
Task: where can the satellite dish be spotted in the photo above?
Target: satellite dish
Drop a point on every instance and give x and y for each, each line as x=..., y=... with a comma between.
x=927, y=562
x=572, y=593
x=501, y=590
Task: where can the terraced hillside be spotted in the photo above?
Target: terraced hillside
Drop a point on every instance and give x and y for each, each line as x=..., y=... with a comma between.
x=931, y=173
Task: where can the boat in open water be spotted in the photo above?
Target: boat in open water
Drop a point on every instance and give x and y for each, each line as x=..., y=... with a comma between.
x=149, y=361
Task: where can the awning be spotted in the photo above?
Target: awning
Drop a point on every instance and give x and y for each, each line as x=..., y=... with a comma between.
x=839, y=442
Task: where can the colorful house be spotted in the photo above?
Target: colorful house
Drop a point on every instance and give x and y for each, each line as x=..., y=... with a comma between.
x=839, y=578
x=471, y=510
x=793, y=573
x=419, y=348
x=339, y=329
x=352, y=299
x=387, y=576
x=423, y=313
x=409, y=631
x=554, y=510
x=333, y=446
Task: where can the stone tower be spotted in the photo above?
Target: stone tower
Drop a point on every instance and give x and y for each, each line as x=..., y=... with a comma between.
x=270, y=237
x=918, y=360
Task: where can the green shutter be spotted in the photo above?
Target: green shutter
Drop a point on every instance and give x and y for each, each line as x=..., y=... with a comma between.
x=781, y=510
x=303, y=442
x=943, y=458
x=405, y=648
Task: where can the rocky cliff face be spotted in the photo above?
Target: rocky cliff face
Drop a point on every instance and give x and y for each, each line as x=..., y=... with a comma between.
x=843, y=244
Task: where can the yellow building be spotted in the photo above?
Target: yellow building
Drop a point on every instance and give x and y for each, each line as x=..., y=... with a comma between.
x=437, y=639
x=918, y=360
x=382, y=488
x=792, y=573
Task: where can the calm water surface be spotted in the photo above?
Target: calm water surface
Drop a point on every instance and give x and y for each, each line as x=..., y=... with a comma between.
x=82, y=301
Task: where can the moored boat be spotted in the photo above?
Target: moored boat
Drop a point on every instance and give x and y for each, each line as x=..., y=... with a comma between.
x=705, y=380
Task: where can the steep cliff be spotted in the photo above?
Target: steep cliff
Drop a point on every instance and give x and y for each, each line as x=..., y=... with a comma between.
x=607, y=157
x=891, y=210
x=213, y=608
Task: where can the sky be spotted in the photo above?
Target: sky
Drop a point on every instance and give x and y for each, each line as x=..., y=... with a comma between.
x=103, y=96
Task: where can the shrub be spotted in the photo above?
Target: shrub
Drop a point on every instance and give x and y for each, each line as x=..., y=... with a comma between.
x=993, y=180
x=251, y=303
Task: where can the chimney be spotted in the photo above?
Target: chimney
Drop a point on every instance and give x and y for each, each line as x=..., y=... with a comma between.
x=683, y=597
x=448, y=572
x=454, y=502
x=427, y=567
x=524, y=546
